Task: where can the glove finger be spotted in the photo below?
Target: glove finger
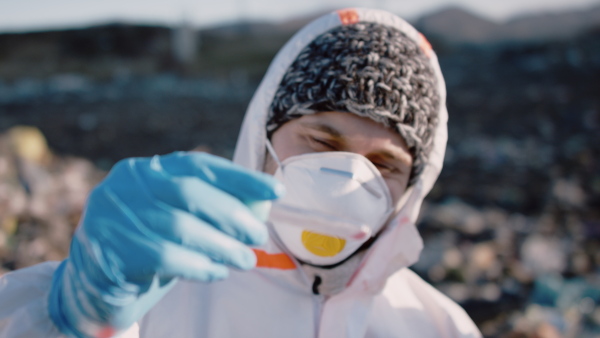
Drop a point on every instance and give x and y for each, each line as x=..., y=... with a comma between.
x=189, y=231
x=202, y=200
x=126, y=251
x=244, y=184
x=181, y=262
x=148, y=219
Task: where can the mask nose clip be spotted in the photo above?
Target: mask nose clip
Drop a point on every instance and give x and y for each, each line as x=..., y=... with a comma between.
x=338, y=172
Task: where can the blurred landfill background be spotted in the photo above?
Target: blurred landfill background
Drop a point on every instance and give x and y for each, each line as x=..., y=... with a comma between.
x=511, y=230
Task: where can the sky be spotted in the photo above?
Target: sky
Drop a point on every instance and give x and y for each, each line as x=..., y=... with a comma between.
x=28, y=15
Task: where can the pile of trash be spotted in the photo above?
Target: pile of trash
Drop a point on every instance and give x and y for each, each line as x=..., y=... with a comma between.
x=527, y=276
x=42, y=196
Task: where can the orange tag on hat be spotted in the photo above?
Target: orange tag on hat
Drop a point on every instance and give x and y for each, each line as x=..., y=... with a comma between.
x=348, y=16
x=425, y=45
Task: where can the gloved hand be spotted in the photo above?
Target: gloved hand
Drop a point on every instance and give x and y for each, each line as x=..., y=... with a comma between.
x=150, y=222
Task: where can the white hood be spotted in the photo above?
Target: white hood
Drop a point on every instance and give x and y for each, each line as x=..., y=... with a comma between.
x=400, y=244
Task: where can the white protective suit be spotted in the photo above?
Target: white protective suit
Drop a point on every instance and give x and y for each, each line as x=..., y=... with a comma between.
x=383, y=298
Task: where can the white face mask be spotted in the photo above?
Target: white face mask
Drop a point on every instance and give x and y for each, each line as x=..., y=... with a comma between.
x=334, y=202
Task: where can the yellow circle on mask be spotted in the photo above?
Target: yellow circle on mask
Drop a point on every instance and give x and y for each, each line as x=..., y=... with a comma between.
x=322, y=245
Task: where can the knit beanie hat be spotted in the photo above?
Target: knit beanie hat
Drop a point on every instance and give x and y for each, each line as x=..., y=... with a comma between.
x=370, y=70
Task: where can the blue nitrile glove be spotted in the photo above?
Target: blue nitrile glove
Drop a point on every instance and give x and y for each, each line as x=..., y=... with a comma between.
x=152, y=220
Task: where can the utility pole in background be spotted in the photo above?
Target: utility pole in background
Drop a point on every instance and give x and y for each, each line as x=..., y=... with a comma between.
x=185, y=43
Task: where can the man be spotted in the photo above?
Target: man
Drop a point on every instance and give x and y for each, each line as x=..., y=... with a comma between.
x=351, y=119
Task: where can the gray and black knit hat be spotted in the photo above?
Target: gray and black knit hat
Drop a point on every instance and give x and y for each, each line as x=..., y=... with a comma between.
x=370, y=70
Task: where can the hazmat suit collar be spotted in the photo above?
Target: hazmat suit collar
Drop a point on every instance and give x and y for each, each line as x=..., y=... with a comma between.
x=400, y=244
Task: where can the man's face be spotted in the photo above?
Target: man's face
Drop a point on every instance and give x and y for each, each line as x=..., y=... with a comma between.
x=338, y=131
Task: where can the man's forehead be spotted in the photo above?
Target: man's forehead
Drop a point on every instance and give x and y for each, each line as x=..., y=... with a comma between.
x=342, y=124
x=323, y=126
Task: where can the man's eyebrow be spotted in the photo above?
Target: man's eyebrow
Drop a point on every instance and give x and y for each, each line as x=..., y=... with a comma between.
x=323, y=128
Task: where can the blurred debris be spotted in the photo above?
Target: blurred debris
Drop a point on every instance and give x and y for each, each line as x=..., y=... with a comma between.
x=41, y=198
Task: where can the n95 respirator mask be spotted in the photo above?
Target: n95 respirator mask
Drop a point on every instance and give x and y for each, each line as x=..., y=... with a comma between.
x=334, y=202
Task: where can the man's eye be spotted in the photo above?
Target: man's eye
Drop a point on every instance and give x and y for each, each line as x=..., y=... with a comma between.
x=384, y=167
x=322, y=143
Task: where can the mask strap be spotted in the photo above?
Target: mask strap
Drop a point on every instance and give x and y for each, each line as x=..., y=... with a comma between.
x=271, y=151
x=409, y=198
x=404, y=199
